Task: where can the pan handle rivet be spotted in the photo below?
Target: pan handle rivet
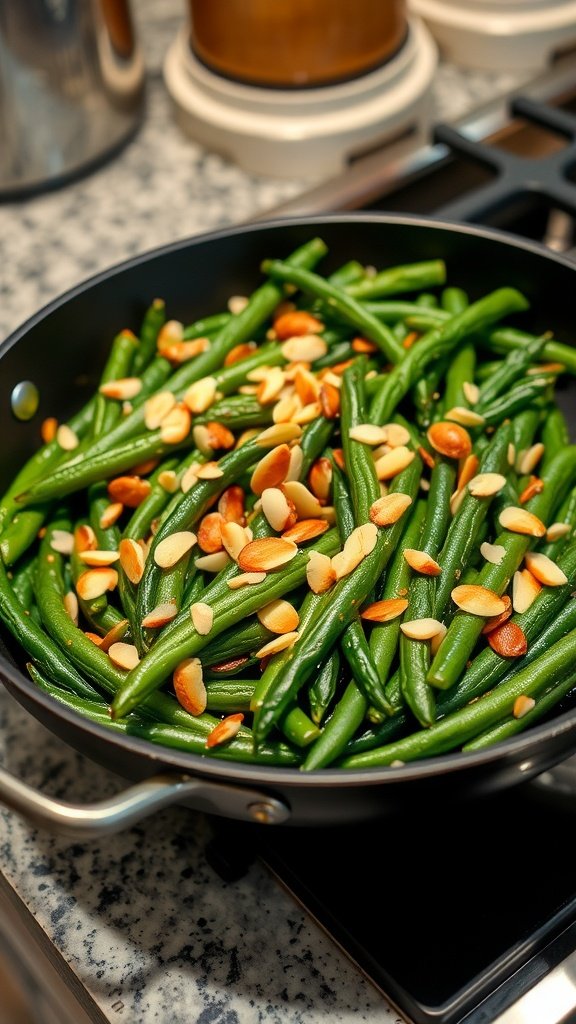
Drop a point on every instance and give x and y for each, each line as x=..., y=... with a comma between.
x=262, y=812
x=25, y=400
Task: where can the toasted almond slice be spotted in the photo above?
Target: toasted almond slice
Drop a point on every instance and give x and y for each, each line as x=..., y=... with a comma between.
x=305, y=530
x=71, y=606
x=544, y=569
x=471, y=392
x=129, y=490
x=189, y=686
x=279, y=511
x=467, y=417
x=279, y=617
x=168, y=479
x=170, y=550
x=240, y=352
x=175, y=426
x=246, y=579
x=534, y=486
x=66, y=438
x=393, y=462
x=304, y=348
x=307, y=414
x=320, y=574
x=95, y=582
x=171, y=331
x=210, y=532
x=306, y=505
x=118, y=632
x=296, y=463
x=369, y=433
x=271, y=386
x=285, y=409
x=201, y=394
x=396, y=435
x=478, y=600
x=320, y=478
x=231, y=505
x=422, y=562
x=493, y=553
x=421, y=629
x=529, y=459
x=258, y=374
x=161, y=615
x=48, y=429
x=519, y=520
x=456, y=500
x=226, y=730
x=557, y=530
x=497, y=620
x=363, y=345
x=468, y=470
x=209, y=471
x=99, y=557
x=189, y=477
x=237, y=303
x=329, y=400
x=359, y=544
x=296, y=323
x=511, y=454
x=111, y=514
x=307, y=385
x=202, y=617
x=123, y=655
x=386, y=610
x=277, y=644
x=486, y=485
x=277, y=434
x=121, y=389
x=84, y=538
x=157, y=407
x=62, y=541
x=213, y=563
x=266, y=554
x=508, y=640
x=131, y=559
x=389, y=509
x=525, y=590
x=182, y=351
x=522, y=705
x=450, y=439
x=271, y=470
x=235, y=538
x=436, y=640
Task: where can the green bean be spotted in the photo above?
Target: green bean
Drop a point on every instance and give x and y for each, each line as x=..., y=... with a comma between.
x=322, y=689
x=107, y=410
x=507, y=338
x=154, y=319
x=393, y=280
x=514, y=366
x=347, y=716
x=206, y=325
x=518, y=398
x=511, y=726
x=460, y=371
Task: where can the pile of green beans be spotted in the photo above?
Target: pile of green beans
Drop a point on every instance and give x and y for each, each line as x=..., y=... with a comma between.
x=330, y=526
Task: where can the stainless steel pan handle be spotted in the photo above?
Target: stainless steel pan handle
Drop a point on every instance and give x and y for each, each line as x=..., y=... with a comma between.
x=118, y=812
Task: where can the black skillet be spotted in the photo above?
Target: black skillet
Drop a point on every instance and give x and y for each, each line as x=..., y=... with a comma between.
x=62, y=348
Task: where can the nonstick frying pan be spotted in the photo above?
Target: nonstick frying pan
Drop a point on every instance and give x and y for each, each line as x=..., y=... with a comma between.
x=62, y=348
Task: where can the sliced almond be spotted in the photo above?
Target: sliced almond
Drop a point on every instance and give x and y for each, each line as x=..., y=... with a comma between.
x=519, y=520
x=209, y=471
x=84, y=538
x=511, y=454
x=369, y=433
x=396, y=435
x=468, y=470
x=307, y=385
x=471, y=392
x=279, y=433
x=456, y=500
x=226, y=730
x=389, y=465
x=363, y=345
x=305, y=530
x=66, y=438
x=170, y=550
x=48, y=429
x=421, y=629
x=493, y=553
x=95, y=582
x=246, y=579
x=529, y=459
x=189, y=686
x=523, y=705
x=525, y=590
x=508, y=640
x=129, y=490
x=436, y=640
x=157, y=407
x=271, y=470
x=213, y=436
x=285, y=409
x=277, y=644
x=422, y=562
x=389, y=509
x=497, y=620
x=111, y=514
x=477, y=600
x=266, y=554
x=97, y=557
x=131, y=559
x=359, y=544
x=450, y=439
x=213, y=563
x=235, y=538
x=329, y=401
x=486, y=485
x=161, y=615
x=427, y=458
x=116, y=633
x=168, y=480
x=296, y=463
x=124, y=655
x=271, y=386
x=556, y=531
x=386, y=610
x=71, y=606
x=306, y=347
x=175, y=426
x=240, y=352
x=307, y=414
x=237, y=303
x=544, y=569
x=62, y=541
x=306, y=505
x=182, y=351
x=210, y=532
x=201, y=394
x=189, y=477
x=279, y=617
x=278, y=509
x=320, y=574
x=231, y=505
x=296, y=323
x=202, y=617
x=467, y=417
x=534, y=486
x=122, y=389
x=171, y=331
x=320, y=478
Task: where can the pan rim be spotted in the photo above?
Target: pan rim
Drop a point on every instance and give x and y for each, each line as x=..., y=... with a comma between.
x=232, y=771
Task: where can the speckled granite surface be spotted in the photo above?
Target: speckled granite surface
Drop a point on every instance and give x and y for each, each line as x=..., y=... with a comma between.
x=150, y=931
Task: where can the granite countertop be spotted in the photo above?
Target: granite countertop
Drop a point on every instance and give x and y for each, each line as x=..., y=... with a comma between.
x=148, y=929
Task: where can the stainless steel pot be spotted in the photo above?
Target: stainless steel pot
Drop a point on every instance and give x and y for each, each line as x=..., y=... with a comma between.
x=71, y=89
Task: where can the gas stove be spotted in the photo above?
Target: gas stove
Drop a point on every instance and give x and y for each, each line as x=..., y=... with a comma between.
x=462, y=914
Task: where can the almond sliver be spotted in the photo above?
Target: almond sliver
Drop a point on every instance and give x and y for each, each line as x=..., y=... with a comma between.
x=422, y=562
x=368, y=433
x=202, y=617
x=171, y=549
x=421, y=629
x=477, y=600
x=519, y=520
x=123, y=655
x=213, y=563
x=271, y=470
x=279, y=433
x=121, y=389
x=246, y=579
x=161, y=615
x=279, y=617
x=279, y=643
x=529, y=459
x=544, y=569
x=95, y=582
x=266, y=554
x=525, y=590
x=305, y=530
x=388, y=510
x=493, y=553
x=389, y=465
x=386, y=610
x=486, y=485
x=189, y=686
x=305, y=348
x=157, y=407
x=306, y=504
x=62, y=541
x=132, y=559
x=557, y=530
x=276, y=508
x=97, y=557
x=320, y=573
